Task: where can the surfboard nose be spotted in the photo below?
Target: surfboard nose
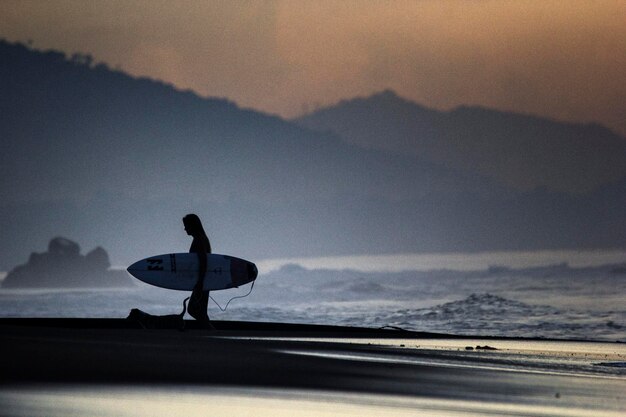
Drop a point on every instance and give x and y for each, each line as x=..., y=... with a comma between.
x=134, y=267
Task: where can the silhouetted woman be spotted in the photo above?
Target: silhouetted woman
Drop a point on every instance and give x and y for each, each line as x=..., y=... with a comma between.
x=200, y=245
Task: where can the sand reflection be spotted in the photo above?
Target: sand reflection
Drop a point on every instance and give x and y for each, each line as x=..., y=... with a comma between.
x=192, y=401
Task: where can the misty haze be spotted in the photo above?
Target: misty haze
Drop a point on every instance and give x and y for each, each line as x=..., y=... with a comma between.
x=445, y=178
x=115, y=161
x=111, y=160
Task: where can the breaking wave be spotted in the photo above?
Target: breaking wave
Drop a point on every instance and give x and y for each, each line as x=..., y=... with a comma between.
x=550, y=302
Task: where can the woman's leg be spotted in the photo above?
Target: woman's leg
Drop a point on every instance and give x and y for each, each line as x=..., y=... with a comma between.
x=198, y=304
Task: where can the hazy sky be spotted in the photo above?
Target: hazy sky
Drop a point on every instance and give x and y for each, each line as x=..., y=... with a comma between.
x=562, y=59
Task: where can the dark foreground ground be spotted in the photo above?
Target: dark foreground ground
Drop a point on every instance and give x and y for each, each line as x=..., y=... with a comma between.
x=110, y=367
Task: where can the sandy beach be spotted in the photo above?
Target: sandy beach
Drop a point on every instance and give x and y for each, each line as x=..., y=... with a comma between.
x=109, y=367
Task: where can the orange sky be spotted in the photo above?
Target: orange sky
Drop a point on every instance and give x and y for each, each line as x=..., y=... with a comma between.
x=561, y=59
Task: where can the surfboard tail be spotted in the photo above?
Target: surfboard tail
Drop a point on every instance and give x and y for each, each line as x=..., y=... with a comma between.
x=253, y=272
x=242, y=272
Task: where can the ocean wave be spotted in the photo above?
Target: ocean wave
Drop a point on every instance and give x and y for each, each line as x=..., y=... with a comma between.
x=550, y=302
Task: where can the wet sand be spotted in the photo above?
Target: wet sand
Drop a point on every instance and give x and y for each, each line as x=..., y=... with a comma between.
x=51, y=362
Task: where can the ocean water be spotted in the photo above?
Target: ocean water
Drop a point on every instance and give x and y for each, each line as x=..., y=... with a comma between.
x=578, y=297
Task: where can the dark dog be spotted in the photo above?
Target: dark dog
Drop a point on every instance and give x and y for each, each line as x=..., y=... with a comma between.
x=150, y=321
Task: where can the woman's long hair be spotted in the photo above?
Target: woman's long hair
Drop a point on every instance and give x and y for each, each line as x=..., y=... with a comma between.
x=194, y=225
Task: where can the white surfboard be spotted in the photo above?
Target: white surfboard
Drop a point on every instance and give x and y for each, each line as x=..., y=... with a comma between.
x=179, y=271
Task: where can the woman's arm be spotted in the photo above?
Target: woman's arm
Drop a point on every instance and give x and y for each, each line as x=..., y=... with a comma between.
x=202, y=263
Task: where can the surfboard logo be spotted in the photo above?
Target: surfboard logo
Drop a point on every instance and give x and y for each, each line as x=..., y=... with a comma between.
x=155, y=264
x=172, y=262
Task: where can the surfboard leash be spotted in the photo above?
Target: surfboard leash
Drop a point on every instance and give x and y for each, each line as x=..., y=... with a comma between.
x=234, y=298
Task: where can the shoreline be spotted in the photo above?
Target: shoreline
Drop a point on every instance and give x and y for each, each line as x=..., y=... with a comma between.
x=281, y=328
x=38, y=356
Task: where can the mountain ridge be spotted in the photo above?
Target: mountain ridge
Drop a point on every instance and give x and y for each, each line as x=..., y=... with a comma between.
x=115, y=160
x=519, y=150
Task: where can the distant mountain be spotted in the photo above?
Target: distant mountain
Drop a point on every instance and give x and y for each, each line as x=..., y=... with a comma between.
x=114, y=160
x=521, y=151
x=72, y=130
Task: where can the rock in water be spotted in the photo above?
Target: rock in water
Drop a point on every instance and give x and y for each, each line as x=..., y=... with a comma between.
x=64, y=267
